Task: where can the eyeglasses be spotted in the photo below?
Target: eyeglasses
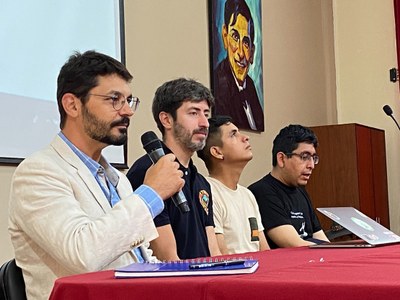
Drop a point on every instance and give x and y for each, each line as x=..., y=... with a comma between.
x=119, y=100
x=305, y=156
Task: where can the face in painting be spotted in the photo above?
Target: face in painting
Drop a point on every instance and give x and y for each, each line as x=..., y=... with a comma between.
x=239, y=47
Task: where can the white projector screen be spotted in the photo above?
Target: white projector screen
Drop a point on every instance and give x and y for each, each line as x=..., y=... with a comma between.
x=36, y=39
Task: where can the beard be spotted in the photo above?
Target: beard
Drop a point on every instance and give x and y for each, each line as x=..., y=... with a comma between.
x=184, y=137
x=101, y=131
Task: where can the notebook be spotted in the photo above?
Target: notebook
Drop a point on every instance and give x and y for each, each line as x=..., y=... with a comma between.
x=371, y=233
x=186, y=268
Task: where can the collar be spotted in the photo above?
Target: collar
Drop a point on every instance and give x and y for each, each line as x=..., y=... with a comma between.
x=240, y=87
x=181, y=167
x=103, y=166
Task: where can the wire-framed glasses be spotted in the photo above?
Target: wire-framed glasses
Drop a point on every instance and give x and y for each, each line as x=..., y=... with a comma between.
x=119, y=100
x=305, y=156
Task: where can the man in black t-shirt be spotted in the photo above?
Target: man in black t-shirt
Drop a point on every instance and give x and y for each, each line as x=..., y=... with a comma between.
x=181, y=109
x=287, y=214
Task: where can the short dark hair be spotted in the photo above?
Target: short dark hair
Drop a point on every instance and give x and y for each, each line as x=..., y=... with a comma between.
x=170, y=96
x=213, y=138
x=80, y=74
x=236, y=7
x=289, y=139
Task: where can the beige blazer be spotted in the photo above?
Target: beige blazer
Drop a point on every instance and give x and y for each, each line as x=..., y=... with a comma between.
x=61, y=223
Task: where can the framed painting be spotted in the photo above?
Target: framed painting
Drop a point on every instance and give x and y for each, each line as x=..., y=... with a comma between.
x=236, y=61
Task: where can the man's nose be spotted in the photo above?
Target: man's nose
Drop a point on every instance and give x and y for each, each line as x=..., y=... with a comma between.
x=203, y=121
x=126, y=110
x=310, y=163
x=240, y=51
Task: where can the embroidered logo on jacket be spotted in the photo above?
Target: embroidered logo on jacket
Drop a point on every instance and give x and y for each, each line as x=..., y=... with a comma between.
x=204, y=199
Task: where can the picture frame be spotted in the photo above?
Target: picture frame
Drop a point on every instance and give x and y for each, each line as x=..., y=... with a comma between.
x=236, y=62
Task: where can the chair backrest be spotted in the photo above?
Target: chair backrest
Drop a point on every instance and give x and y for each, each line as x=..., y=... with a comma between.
x=12, y=285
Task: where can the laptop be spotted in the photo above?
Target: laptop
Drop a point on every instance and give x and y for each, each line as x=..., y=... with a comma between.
x=371, y=233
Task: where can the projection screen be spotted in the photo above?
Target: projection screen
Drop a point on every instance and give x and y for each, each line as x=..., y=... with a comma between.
x=36, y=39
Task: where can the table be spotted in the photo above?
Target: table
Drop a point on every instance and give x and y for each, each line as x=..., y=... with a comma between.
x=295, y=273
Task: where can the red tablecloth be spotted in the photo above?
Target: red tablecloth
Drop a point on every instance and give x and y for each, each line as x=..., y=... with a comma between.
x=297, y=273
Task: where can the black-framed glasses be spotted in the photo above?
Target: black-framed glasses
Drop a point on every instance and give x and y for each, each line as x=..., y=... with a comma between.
x=119, y=100
x=305, y=156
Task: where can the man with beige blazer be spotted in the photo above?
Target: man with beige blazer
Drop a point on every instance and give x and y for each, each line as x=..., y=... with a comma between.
x=70, y=210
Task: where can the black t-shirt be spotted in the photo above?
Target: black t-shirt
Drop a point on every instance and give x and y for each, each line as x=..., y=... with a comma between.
x=280, y=204
x=189, y=228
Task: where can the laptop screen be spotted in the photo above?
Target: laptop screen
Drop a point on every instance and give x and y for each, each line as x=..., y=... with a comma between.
x=360, y=225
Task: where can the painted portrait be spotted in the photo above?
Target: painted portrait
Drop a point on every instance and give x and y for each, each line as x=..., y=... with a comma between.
x=236, y=61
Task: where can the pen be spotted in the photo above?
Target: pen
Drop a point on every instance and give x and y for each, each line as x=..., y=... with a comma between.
x=216, y=264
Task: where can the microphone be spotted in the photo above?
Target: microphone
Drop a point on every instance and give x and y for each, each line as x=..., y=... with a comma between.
x=388, y=110
x=154, y=150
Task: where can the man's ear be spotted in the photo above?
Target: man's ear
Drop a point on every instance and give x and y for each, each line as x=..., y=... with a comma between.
x=71, y=104
x=166, y=119
x=216, y=152
x=224, y=35
x=280, y=159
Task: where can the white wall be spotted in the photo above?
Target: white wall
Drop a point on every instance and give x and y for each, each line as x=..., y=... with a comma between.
x=298, y=63
x=365, y=51
x=6, y=250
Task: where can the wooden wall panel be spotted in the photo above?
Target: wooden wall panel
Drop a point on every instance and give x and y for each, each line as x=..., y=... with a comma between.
x=351, y=172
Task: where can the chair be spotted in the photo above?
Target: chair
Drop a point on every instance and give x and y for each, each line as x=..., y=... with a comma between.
x=12, y=285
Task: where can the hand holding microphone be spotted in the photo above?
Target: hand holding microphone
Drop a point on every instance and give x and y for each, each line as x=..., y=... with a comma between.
x=164, y=176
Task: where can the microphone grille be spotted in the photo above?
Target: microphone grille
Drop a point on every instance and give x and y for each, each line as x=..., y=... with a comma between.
x=150, y=141
x=388, y=110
